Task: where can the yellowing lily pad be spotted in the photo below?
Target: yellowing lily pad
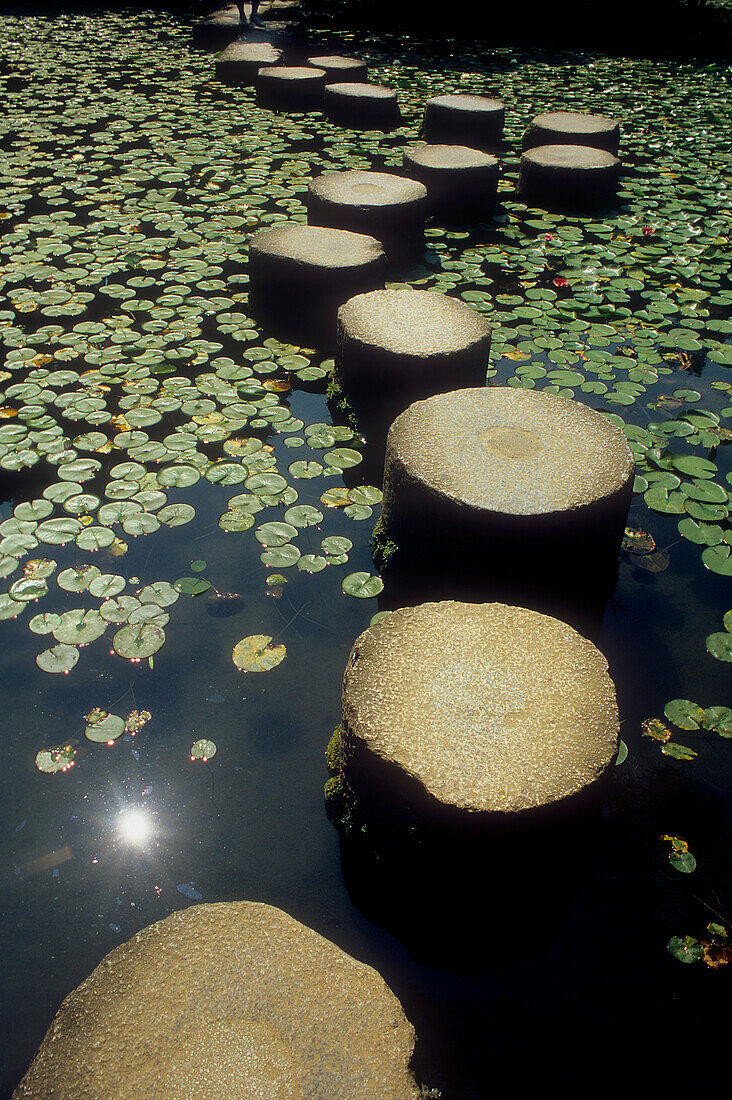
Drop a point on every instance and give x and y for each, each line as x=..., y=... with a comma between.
x=256, y=654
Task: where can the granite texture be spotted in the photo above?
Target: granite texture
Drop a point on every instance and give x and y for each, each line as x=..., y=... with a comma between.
x=483, y=708
x=229, y=1001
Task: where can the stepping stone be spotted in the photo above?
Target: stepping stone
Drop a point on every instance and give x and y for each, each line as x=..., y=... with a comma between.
x=361, y=106
x=240, y=62
x=340, y=68
x=472, y=120
x=522, y=494
x=573, y=128
x=388, y=207
x=467, y=713
x=568, y=176
x=397, y=346
x=300, y=274
x=290, y=88
x=460, y=182
x=228, y=1000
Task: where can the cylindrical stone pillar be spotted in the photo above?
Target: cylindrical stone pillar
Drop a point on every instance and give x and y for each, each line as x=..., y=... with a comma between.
x=461, y=183
x=290, y=87
x=216, y=33
x=234, y=999
x=465, y=714
x=568, y=176
x=362, y=106
x=240, y=62
x=300, y=274
x=472, y=120
x=573, y=128
x=518, y=494
x=388, y=207
x=339, y=68
x=398, y=346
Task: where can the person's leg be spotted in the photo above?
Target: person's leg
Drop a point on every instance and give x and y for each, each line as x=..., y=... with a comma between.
x=254, y=18
x=242, y=14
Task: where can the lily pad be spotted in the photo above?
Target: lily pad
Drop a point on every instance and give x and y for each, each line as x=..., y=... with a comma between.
x=55, y=760
x=60, y=658
x=138, y=642
x=362, y=585
x=105, y=727
x=203, y=749
x=257, y=654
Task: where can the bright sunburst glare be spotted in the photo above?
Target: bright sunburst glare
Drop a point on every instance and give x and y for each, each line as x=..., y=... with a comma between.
x=134, y=826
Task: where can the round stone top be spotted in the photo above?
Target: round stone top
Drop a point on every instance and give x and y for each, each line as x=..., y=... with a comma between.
x=309, y=244
x=363, y=90
x=292, y=72
x=232, y=1001
x=412, y=322
x=511, y=451
x=264, y=52
x=575, y=122
x=488, y=707
x=357, y=187
x=582, y=157
x=448, y=156
x=464, y=102
x=333, y=61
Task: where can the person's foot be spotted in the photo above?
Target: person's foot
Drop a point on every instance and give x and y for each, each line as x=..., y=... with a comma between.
x=256, y=21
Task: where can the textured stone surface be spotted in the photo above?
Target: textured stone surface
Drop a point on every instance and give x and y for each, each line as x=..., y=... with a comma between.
x=232, y=1001
x=568, y=175
x=573, y=128
x=521, y=452
x=483, y=708
x=290, y=87
x=300, y=275
x=511, y=494
x=240, y=62
x=361, y=106
x=388, y=207
x=339, y=68
x=472, y=120
x=459, y=181
x=396, y=346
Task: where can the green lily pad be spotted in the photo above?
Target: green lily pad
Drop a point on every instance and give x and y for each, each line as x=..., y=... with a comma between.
x=203, y=749
x=60, y=658
x=55, y=760
x=138, y=642
x=108, y=727
x=362, y=585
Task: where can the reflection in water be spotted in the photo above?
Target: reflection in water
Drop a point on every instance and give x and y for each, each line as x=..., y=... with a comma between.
x=134, y=826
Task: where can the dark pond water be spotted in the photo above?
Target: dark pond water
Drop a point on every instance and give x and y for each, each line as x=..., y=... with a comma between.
x=130, y=181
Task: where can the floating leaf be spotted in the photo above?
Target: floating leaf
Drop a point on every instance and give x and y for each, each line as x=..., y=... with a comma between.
x=60, y=658
x=256, y=654
x=362, y=585
x=280, y=558
x=686, y=949
x=203, y=750
x=678, y=752
x=312, y=563
x=55, y=760
x=135, y=720
x=138, y=642
x=104, y=727
x=159, y=593
x=191, y=586
x=654, y=728
x=684, y=714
